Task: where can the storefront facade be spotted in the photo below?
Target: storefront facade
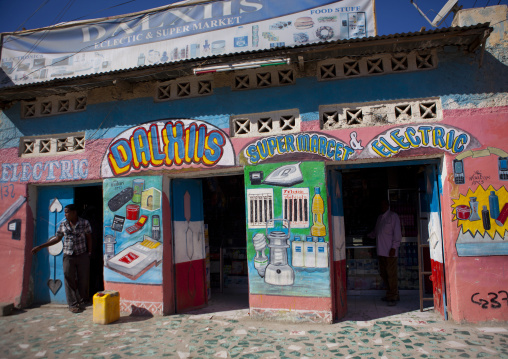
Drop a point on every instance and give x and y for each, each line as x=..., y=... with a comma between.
x=296, y=134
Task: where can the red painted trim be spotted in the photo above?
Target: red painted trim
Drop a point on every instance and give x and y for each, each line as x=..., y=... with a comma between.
x=437, y=285
x=340, y=291
x=290, y=303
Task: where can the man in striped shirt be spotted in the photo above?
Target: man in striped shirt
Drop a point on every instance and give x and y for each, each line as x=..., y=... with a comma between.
x=77, y=248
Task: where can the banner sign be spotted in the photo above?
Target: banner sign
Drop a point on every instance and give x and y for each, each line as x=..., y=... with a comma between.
x=178, y=33
x=302, y=143
x=395, y=140
x=167, y=145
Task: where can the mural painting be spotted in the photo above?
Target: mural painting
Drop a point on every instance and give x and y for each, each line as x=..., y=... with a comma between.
x=481, y=215
x=132, y=229
x=502, y=165
x=167, y=144
x=482, y=211
x=288, y=243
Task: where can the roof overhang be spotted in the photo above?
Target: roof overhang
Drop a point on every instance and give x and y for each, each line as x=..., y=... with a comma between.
x=469, y=38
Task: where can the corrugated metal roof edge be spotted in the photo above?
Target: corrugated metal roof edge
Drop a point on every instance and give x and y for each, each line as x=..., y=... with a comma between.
x=449, y=30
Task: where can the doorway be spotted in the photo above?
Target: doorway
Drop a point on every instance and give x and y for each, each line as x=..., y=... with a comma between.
x=47, y=269
x=406, y=189
x=224, y=212
x=211, y=274
x=89, y=201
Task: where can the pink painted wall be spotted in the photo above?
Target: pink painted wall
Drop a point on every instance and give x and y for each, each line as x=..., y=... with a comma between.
x=483, y=275
x=138, y=299
x=15, y=254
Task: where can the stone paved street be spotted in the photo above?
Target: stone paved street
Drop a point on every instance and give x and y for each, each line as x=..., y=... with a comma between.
x=53, y=332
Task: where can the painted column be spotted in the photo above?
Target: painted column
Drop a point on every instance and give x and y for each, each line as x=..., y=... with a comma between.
x=288, y=241
x=133, y=242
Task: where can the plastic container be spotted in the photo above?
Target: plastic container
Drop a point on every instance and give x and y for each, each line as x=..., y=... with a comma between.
x=132, y=212
x=106, y=307
x=321, y=253
x=297, y=252
x=310, y=253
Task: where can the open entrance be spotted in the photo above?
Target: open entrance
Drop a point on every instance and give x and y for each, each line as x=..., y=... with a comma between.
x=224, y=209
x=212, y=271
x=47, y=269
x=406, y=188
x=89, y=201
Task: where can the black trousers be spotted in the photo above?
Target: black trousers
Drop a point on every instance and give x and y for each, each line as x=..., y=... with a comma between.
x=76, y=273
x=388, y=272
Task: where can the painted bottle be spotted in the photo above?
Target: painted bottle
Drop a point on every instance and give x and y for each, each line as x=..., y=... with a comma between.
x=486, y=218
x=494, y=205
x=321, y=253
x=141, y=59
x=310, y=253
x=473, y=203
x=297, y=252
x=318, y=209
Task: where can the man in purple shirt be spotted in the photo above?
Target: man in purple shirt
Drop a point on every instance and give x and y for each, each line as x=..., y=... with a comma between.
x=388, y=236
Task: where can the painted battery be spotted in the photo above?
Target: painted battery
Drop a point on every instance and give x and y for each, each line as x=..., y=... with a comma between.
x=106, y=307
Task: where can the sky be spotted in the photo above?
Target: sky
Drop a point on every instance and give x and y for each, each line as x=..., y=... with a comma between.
x=393, y=16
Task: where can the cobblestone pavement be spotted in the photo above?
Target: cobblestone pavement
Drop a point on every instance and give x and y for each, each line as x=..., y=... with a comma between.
x=53, y=332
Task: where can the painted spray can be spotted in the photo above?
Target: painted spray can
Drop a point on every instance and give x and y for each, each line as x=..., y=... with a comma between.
x=138, y=185
x=310, y=253
x=297, y=252
x=321, y=253
x=494, y=205
x=501, y=219
x=486, y=218
x=473, y=203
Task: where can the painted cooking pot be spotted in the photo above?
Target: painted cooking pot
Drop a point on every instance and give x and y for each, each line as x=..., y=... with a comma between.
x=463, y=212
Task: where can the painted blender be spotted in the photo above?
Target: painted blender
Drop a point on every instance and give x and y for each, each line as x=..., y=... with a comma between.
x=278, y=271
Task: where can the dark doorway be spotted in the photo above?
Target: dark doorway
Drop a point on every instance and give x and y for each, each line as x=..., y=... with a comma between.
x=363, y=190
x=89, y=202
x=224, y=215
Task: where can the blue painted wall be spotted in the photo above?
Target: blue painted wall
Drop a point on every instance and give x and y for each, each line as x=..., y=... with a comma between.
x=458, y=80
